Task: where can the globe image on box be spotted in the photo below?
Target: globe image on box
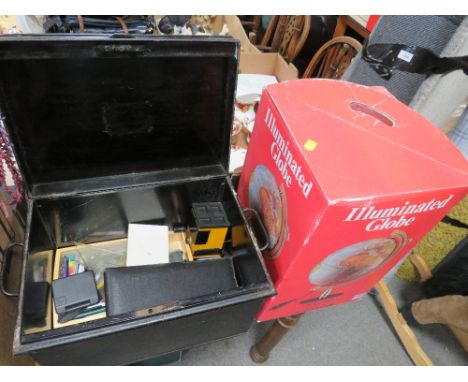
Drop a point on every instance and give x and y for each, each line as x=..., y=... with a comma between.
x=352, y=262
x=265, y=198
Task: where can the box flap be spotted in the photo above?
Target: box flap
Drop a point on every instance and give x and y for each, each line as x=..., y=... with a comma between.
x=366, y=142
x=235, y=29
x=80, y=107
x=267, y=63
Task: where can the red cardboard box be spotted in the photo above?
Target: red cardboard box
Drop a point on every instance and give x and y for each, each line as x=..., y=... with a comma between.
x=347, y=180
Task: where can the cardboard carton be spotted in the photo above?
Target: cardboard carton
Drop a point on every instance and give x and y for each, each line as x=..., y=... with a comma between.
x=236, y=30
x=267, y=63
x=252, y=60
x=347, y=180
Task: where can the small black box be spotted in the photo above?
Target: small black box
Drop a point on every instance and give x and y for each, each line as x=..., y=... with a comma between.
x=74, y=292
x=35, y=303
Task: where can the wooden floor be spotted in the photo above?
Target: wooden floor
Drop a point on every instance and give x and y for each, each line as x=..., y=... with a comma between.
x=8, y=307
x=7, y=325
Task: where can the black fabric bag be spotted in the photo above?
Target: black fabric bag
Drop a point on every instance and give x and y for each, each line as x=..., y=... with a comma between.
x=99, y=24
x=450, y=277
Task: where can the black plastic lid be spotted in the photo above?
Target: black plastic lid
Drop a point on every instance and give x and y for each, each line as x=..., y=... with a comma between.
x=83, y=106
x=210, y=215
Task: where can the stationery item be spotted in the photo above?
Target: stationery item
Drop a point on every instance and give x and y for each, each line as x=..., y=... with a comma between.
x=74, y=293
x=129, y=289
x=64, y=267
x=72, y=264
x=40, y=270
x=147, y=244
x=92, y=310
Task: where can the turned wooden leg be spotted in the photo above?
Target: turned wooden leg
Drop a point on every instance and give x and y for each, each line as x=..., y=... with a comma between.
x=261, y=351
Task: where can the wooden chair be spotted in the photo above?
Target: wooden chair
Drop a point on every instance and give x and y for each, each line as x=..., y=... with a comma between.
x=344, y=22
x=251, y=25
x=286, y=35
x=333, y=58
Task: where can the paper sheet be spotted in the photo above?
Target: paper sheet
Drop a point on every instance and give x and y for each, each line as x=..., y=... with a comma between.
x=147, y=244
x=250, y=86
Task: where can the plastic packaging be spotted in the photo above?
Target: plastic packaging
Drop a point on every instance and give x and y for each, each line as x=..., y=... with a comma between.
x=98, y=257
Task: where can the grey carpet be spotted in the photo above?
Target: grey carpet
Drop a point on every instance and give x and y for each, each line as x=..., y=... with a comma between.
x=356, y=333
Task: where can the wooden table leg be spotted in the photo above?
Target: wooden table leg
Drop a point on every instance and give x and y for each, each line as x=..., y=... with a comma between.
x=261, y=350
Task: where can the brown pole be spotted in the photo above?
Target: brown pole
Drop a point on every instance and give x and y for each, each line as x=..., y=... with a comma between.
x=261, y=350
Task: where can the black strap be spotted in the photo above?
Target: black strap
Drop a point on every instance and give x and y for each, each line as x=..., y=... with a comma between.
x=385, y=58
x=454, y=222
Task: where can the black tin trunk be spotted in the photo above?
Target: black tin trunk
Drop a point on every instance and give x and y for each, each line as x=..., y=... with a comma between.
x=94, y=119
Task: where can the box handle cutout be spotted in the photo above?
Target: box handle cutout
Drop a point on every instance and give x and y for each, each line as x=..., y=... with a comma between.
x=371, y=111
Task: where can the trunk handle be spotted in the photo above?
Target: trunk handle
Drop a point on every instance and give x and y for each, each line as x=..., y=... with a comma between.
x=262, y=228
x=4, y=266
